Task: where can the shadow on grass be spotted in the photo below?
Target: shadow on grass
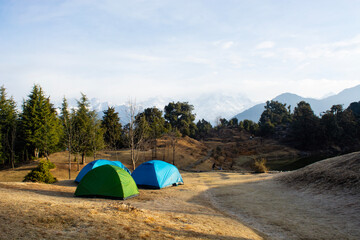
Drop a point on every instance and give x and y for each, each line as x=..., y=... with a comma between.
x=52, y=193
x=23, y=169
x=66, y=183
x=184, y=233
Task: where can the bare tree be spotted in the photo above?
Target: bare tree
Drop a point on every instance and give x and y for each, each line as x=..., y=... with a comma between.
x=135, y=135
x=97, y=140
x=67, y=121
x=68, y=135
x=174, y=136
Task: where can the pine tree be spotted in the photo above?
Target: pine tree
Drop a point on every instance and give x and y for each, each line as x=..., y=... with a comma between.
x=8, y=125
x=40, y=127
x=203, y=128
x=305, y=125
x=88, y=137
x=2, y=158
x=112, y=129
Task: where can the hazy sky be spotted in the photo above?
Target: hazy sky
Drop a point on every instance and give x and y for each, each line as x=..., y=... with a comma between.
x=113, y=50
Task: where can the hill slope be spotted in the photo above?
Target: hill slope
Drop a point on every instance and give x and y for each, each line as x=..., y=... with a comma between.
x=338, y=173
x=345, y=97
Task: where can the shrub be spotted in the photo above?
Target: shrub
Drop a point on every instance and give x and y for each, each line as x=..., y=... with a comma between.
x=259, y=166
x=46, y=164
x=41, y=173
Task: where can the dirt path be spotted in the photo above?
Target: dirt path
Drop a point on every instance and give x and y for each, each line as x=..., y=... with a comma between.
x=281, y=212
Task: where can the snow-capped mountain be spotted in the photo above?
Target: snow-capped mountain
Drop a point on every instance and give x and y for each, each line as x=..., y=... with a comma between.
x=206, y=106
x=211, y=106
x=216, y=105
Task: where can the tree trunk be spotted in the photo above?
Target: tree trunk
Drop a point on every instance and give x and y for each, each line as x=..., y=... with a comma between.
x=133, y=158
x=163, y=158
x=168, y=151
x=12, y=160
x=155, y=148
x=69, y=163
x=116, y=154
x=174, y=153
x=83, y=158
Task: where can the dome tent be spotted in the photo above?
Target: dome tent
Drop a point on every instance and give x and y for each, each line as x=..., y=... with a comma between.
x=157, y=174
x=98, y=163
x=107, y=181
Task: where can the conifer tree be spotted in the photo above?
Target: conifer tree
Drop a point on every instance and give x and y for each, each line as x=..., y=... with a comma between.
x=2, y=158
x=112, y=129
x=88, y=135
x=203, y=128
x=305, y=125
x=8, y=124
x=40, y=127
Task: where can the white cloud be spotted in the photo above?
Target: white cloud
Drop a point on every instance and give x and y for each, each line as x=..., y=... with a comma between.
x=335, y=50
x=265, y=45
x=227, y=45
x=224, y=44
x=267, y=54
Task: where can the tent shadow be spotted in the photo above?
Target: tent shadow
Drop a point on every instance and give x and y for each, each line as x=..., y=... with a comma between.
x=66, y=183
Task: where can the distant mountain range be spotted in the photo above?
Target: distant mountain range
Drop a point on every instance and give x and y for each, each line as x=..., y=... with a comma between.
x=211, y=106
x=206, y=106
x=345, y=97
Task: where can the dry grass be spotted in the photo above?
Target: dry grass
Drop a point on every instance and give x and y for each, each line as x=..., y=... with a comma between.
x=211, y=205
x=33, y=210
x=17, y=174
x=282, y=212
x=239, y=150
x=338, y=173
x=260, y=166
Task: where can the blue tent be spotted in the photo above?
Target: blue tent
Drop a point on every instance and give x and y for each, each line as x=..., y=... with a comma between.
x=98, y=163
x=157, y=174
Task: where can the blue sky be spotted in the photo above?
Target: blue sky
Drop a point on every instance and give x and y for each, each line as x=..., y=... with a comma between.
x=116, y=50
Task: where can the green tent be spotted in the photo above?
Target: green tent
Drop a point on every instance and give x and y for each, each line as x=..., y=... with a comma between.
x=107, y=181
